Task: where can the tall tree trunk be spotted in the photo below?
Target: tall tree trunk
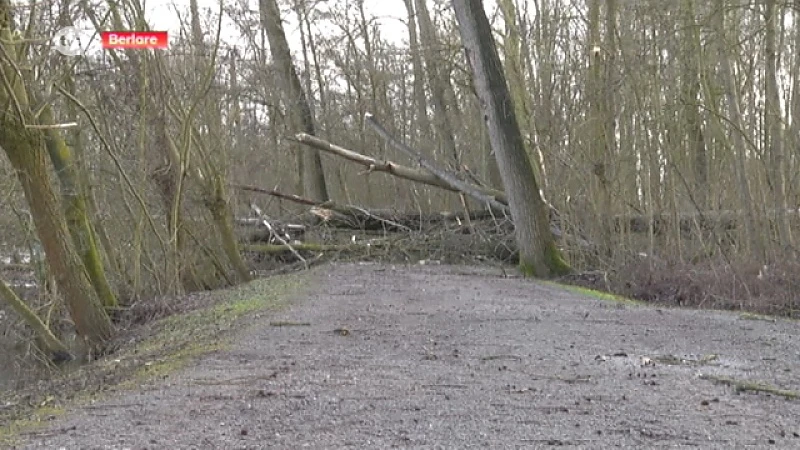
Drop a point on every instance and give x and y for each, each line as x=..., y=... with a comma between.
x=26, y=150
x=690, y=81
x=73, y=195
x=541, y=48
x=302, y=19
x=610, y=89
x=598, y=131
x=538, y=254
x=215, y=170
x=150, y=83
x=313, y=176
x=512, y=46
x=739, y=146
x=74, y=192
x=312, y=46
x=420, y=99
x=773, y=124
x=377, y=84
x=441, y=118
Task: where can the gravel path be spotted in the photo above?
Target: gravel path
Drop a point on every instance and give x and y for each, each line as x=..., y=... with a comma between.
x=377, y=356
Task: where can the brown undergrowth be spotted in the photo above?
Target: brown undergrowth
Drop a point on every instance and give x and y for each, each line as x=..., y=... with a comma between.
x=772, y=289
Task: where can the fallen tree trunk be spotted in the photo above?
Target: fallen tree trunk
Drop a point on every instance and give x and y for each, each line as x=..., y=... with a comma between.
x=398, y=170
x=410, y=220
x=333, y=214
x=355, y=218
x=444, y=176
x=308, y=247
x=722, y=220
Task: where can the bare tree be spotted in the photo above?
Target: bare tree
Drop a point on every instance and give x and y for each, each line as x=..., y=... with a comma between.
x=420, y=99
x=295, y=98
x=773, y=126
x=437, y=83
x=738, y=132
x=539, y=255
x=690, y=81
x=25, y=146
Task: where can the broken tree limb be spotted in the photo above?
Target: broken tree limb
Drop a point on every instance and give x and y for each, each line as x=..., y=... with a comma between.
x=398, y=170
x=353, y=217
x=277, y=235
x=309, y=247
x=276, y=193
x=334, y=214
x=448, y=178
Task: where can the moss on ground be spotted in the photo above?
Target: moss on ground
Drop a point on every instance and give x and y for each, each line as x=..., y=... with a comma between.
x=37, y=418
x=595, y=293
x=170, y=345
x=752, y=386
x=754, y=316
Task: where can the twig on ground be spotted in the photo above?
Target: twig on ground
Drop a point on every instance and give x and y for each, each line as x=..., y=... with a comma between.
x=289, y=323
x=753, y=386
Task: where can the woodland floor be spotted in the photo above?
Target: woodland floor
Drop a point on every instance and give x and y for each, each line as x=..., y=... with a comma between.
x=382, y=356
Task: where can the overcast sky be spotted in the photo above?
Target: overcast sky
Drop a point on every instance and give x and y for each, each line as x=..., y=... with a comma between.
x=391, y=15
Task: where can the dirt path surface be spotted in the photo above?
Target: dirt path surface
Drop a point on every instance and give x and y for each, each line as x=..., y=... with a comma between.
x=379, y=356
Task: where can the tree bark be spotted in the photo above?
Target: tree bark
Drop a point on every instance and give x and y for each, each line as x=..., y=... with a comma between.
x=25, y=151
x=598, y=129
x=420, y=100
x=73, y=195
x=772, y=124
x=539, y=255
x=690, y=89
x=313, y=176
x=512, y=53
x=737, y=122
x=441, y=118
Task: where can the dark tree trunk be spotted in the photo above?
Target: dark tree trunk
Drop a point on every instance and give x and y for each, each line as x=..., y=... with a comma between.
x=538, y=253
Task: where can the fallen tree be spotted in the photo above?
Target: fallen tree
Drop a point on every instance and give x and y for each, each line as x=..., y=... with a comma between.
x=392, y=168
x=353, y=217
x=333, y=214
x=449, y=179
x=689, y=223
